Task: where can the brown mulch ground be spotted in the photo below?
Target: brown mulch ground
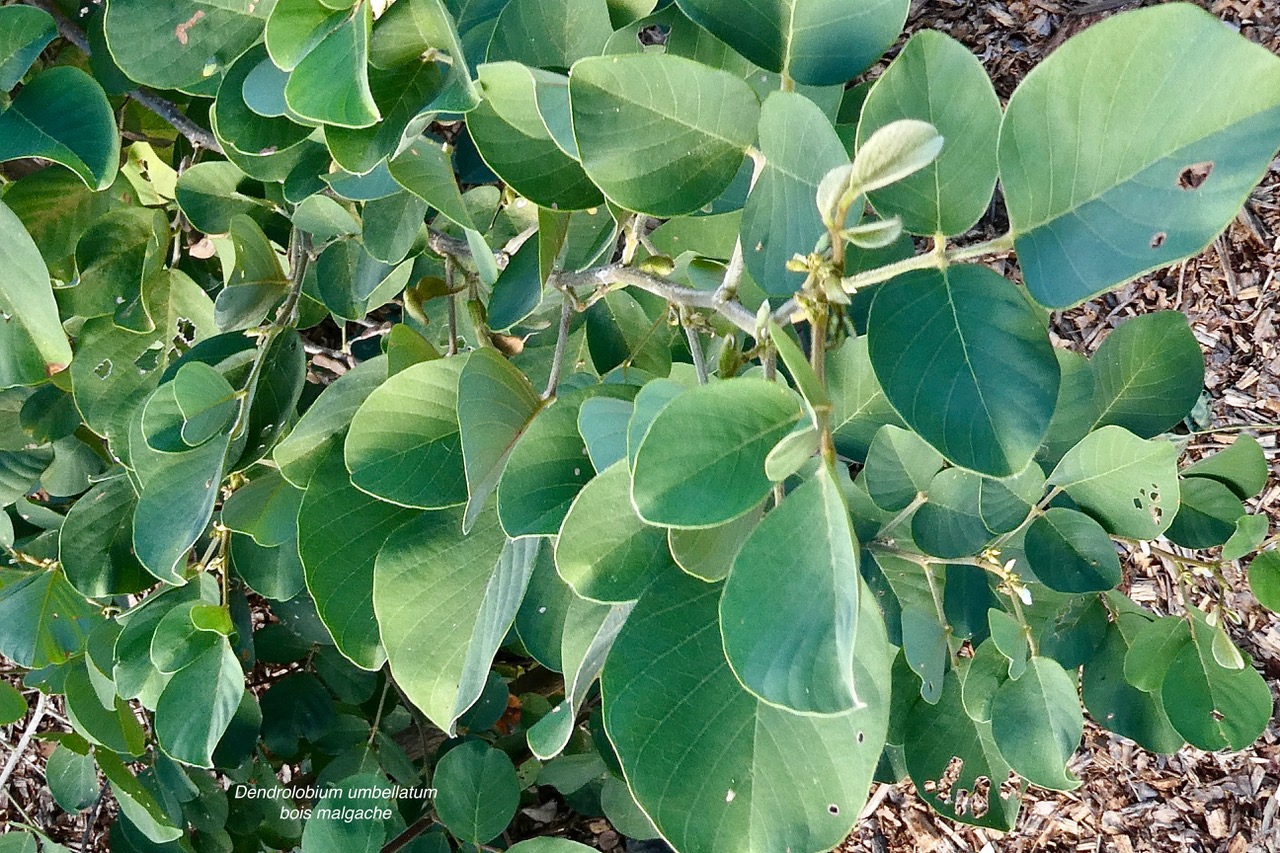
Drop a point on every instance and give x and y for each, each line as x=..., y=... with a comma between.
x=1133, y=800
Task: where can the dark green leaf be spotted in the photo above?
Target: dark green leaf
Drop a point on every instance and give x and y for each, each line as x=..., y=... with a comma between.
x=63, y=115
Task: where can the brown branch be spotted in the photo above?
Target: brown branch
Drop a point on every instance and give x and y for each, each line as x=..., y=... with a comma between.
x=165, y=109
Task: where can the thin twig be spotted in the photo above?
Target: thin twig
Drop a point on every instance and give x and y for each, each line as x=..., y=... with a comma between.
x=451, y=305
x=93, y=816
x=24, y=741
x=557, y=358
x=165, y=109
x=695, y=349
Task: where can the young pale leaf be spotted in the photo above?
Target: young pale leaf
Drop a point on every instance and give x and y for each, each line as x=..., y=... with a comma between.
x=791, y=453
x=604, y=550
x=779, y=220
x=477, y=791
x=64, y=116
x=1127, y=483
x=1114, y=161
x=1070, y=552
x=942, y=343
x=893, y=152
x=789, y=616
x=701, y=462
x=936, y=79
x=32, y=343
x=404, y=445
x=798, y=366
x=707, y=553
x=1148, y=374
x=1037, y=724
x=818, y=42
x=697, y=123
x=669, y=655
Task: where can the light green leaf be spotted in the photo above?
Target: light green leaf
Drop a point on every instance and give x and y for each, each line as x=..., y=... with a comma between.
x=73, y=778
x=701, y=462
x=477, y=792
x=819, y=42
x=325, y=423
x=548, y=465
x=1037, y=724
x=206, y=400
x=296, y=27
x=697, y=122
x=1249, y=533
x=409, y=29
x=329, y=832
x=550, y=33
x=404, y=445
x=209, y=195
x=789, y=616
x=1264, y=579
x=707, y=553
x=1152, y=647
x=1148, y=374
x=183, y=45
x=858, y=405
x=761, y=779
x=338, y=557
x=32, y=343
x=1070, y=552
x=603, y=422
x=1114, y=162
x=331, y=82
x=424, y=169
x=13, y=706
x=265, y=508
x=111, y=723
x=942, y=343
x=238, y=125
x=780, y=219
x=198, y=703
x=899, y=467
x=604, y=550
x=136, y=802
x=1212, y=706
x=63, y=115
x=24, y=32
x=937, y=80
x=440, y=647
x=43, y=620
x=1127, y=483
x=1241, y=466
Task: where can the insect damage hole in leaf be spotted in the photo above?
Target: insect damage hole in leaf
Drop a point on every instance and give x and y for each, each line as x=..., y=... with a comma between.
x=1194, y=176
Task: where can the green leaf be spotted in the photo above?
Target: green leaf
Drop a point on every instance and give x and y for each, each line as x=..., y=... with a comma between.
x=206, y=400
x=273, y=572
x=1264, y=579
x=331, y=82
x=780, y=219
x=708, y=553
x=1152, y=647
x=938, y=80
x=237, y=124
x=209, y=195
x=13, y=706
x=789, y=616
x=589, y=632
x=701, y=462
x=19, y=841
x=518, y=290
x=177, y=642
x=1070, y=552
x=942, y=343
x=324, y=425
x=424, y=170
x=540, y=622
x=477, y=792
x=936, y=735
x=548, y=465
x=1037, y=724
x=339, y=558
x=329, y=831
x=63, y=115
x=1249, y=533
x=550, y=33
x=197, y=705
x=440, y=647
x=1121, y=707
x=32, y=343
x=899, y=467
x=135, y=801
x=112, y=724
x=1207, y=514
x=183, y=45
x=1113, y=163
x=73, y=778
x=1241, y=466
x=604, y=550
x=95, y=545
x=950, y=523
x=819, y=42
x=404, y=445
x=858, y=405
x=1148, y=374
x=409, y=29
x=296, y=27
x=619, y=332
x=265, y=508
x=24, y=32
x=116, y=256
x=1212, y=706
x=760, y=778
x=696, y=121
x=1123, y=481
x=43, y=620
